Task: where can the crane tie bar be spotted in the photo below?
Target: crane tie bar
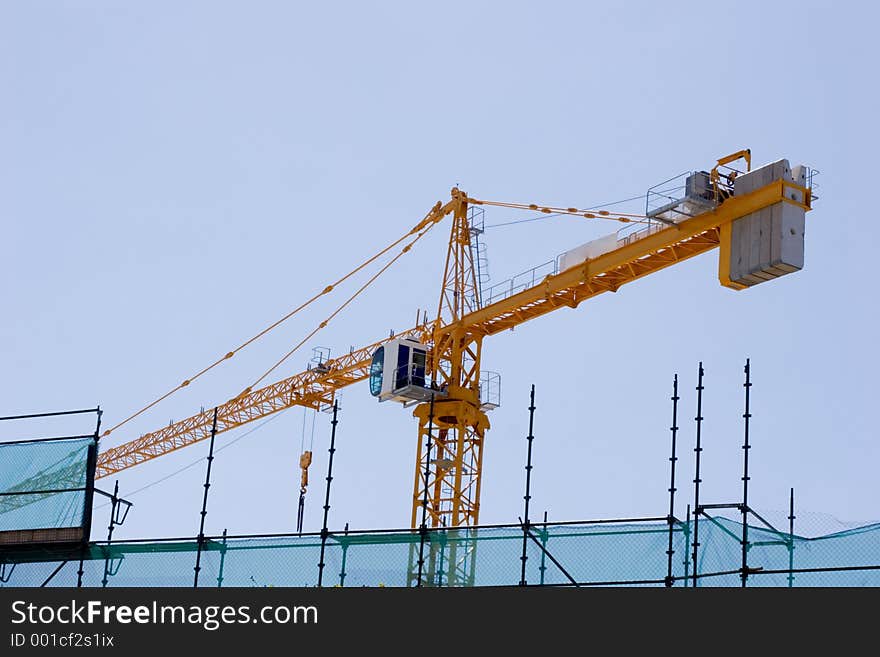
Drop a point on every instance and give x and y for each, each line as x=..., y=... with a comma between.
x=623, y=217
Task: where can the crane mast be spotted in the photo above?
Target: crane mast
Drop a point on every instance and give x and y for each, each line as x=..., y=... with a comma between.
x=454, y=423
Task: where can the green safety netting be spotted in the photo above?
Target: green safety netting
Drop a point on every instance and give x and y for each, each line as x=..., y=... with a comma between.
x=619, y=553
x=847, y=558
x=43, y=484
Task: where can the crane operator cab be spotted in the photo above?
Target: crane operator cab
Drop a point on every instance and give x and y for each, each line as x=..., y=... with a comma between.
x=398, y=372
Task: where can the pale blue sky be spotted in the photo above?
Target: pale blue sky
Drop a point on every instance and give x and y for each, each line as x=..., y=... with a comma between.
x=174, y=176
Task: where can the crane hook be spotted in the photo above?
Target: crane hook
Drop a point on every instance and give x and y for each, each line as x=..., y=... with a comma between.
x=305, y=460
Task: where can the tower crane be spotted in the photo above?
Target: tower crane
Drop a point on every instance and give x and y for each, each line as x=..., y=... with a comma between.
x=755, y=217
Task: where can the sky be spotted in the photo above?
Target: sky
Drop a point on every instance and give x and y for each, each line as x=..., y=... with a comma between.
x=176, y=176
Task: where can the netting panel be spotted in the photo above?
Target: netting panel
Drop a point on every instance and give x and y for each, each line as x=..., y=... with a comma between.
x=31, y=468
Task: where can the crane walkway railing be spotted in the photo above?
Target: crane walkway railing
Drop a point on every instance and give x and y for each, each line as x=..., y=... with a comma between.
x=531, y=277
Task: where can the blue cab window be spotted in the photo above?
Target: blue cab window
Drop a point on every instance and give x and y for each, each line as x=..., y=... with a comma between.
x=376, y=368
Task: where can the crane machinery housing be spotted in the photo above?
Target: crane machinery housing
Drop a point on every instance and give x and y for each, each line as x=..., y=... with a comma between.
x=755, y=217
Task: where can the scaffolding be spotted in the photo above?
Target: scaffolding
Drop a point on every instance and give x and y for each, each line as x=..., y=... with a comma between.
x=716, y=544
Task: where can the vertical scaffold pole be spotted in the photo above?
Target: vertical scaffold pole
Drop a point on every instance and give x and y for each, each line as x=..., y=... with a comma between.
x=698, y=451
x=90, y=496
x=113, y=502
x=443, y=539
x=201, y=537
x=544, y=538
x=687, y=531
x=670, y=580
x=528, y=496
x=744, y=573
x=344, y=557
x=324, y=531
x=222, y=560
x=423, y=528
x=791, y=540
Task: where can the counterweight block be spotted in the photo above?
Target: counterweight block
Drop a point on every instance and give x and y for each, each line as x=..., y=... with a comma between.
x=769, y=243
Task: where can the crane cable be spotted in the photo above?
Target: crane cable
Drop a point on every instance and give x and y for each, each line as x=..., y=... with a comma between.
x=305, y=460
x=335, y=312
x=274, y=325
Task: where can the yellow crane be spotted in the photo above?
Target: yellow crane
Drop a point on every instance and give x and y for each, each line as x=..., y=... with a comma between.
x=755, y=217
